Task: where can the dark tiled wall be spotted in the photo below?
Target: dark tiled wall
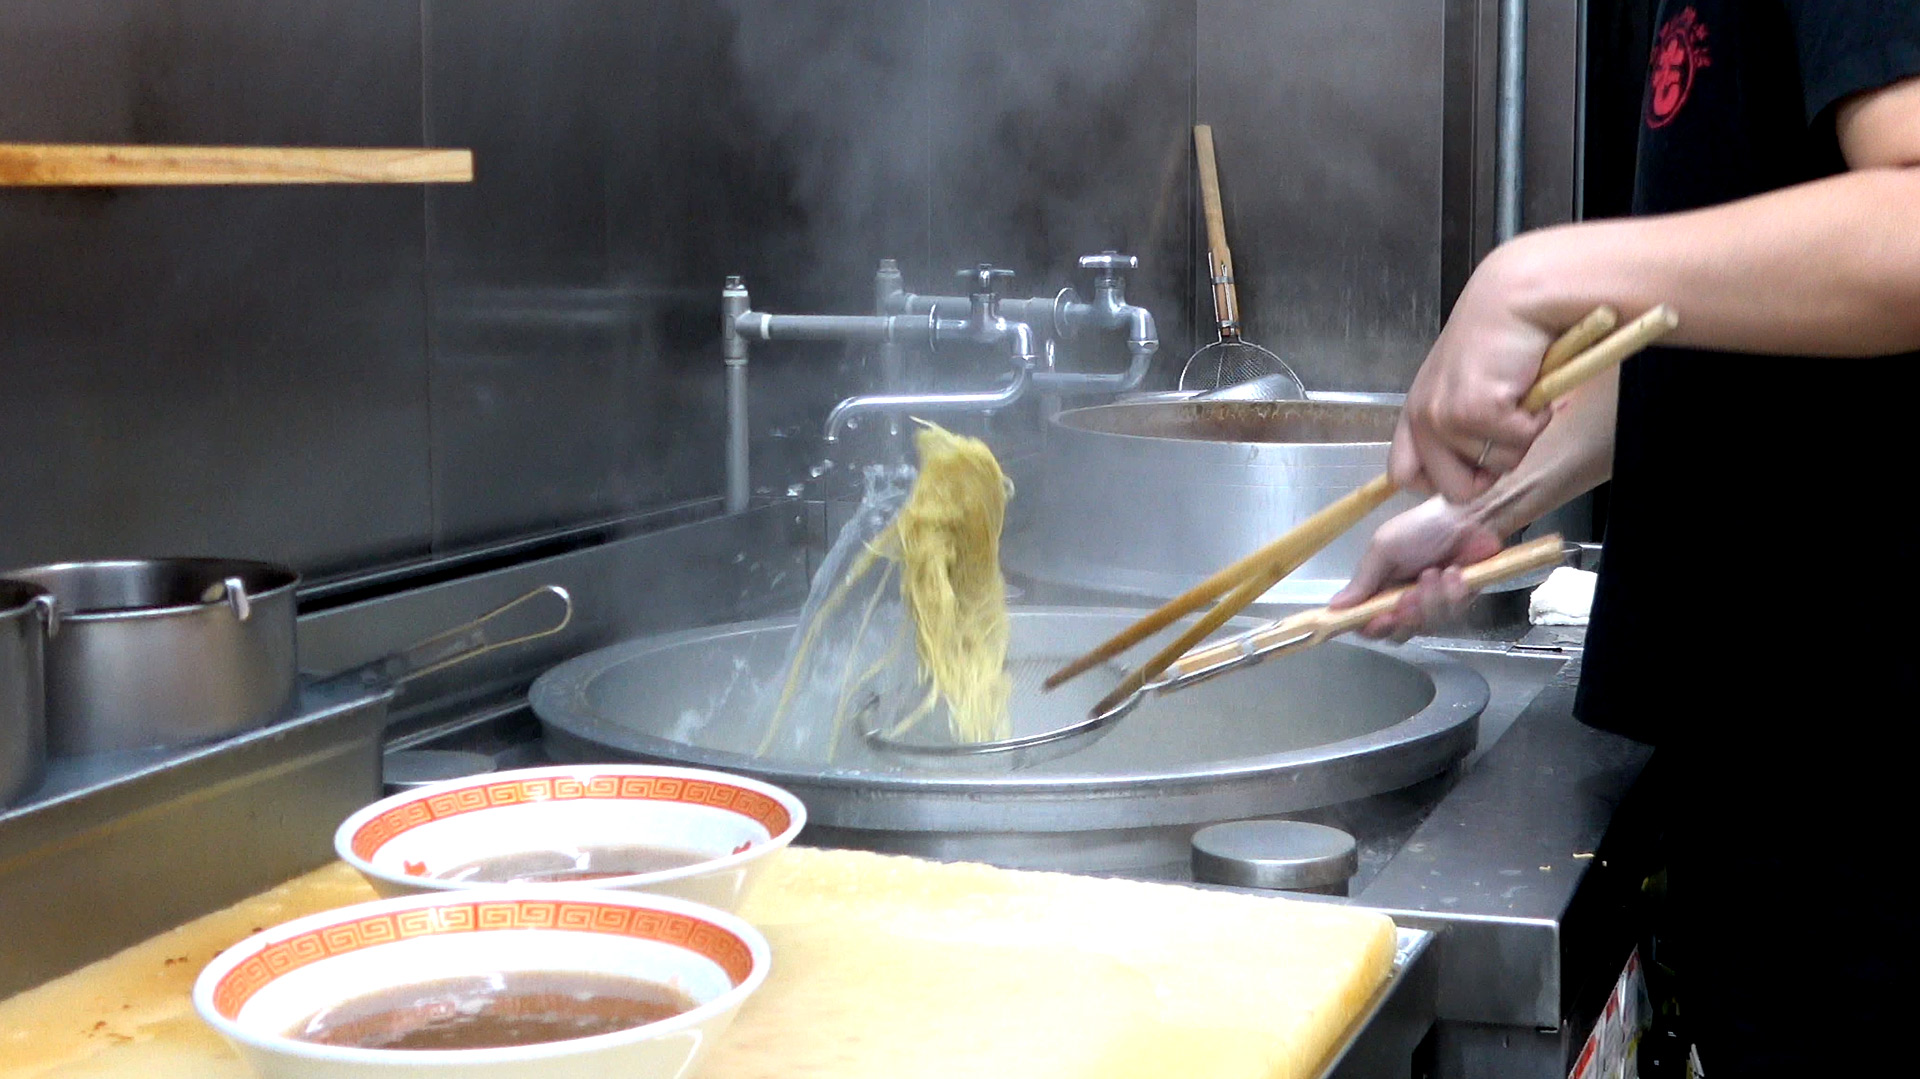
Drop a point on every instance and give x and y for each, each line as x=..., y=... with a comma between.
x=212, y=371
x=346, y=377
x=349, y=377
x=1330, y=168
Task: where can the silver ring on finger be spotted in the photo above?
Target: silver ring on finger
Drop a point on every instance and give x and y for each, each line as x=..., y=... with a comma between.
x=1481, y=461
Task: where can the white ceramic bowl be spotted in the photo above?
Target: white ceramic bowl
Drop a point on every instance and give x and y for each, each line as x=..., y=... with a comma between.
x=400, y=843
x=257, y=990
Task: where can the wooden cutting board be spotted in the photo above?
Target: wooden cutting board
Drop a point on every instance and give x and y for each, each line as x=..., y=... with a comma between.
x=889, y=968
x=883, y=967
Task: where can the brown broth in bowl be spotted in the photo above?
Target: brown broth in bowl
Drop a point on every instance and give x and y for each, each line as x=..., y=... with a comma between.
x=491, y=1011
x=586, y=863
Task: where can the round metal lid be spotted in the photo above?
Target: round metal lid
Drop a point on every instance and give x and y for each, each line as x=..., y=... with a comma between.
x=405, y=769
x=1285, y=854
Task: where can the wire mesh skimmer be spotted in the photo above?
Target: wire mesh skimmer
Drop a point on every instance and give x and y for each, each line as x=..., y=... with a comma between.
x=1231, y=359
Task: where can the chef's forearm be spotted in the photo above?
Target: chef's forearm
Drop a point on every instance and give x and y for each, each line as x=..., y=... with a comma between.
x=1829, y=268
x=1571, y=457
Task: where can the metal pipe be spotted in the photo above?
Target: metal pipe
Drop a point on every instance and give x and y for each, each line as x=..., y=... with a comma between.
x=760, y=326
x=892, y=377
x=1066, y=316
x=1073, y=383
x=1018, y=338
x=983, y=327
x=887, y=281
x=739, y=472
x=887, y=329
x=1509, y=154
x=1034, y=311
x=734, y=302
x=902, y=317
x=988, y=401
x=911, y=303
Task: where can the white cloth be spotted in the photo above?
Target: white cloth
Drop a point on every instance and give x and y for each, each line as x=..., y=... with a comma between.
x=1565, y=598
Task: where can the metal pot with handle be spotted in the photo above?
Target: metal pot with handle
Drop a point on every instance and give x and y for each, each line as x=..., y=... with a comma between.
x=27, y=619
x=165, y=651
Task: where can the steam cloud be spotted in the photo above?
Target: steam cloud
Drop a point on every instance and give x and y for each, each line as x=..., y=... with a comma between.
x=950, y=133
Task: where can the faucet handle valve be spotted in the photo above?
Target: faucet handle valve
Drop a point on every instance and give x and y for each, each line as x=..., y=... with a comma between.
x=985, y=279
x=1107, y=262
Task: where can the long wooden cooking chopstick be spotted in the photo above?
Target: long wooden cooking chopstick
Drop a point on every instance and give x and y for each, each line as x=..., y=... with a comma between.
x=1364, y=499
x=1611, y=351
x=1321, y=623
x=1248, y=579
x=1348, y=509
x=1226, y=300
x=1580, y=337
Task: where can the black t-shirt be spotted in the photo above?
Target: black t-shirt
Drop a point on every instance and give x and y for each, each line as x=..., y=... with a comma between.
x=1752, y=526
x=1759, y=579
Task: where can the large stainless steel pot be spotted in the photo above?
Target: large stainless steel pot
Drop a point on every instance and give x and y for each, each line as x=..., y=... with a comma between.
x=161, y=652
x=1342, y=723
x=1148, y=498
x=26, y=619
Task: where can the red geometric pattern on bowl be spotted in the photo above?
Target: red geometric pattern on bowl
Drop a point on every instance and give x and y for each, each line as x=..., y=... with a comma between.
x=481, y=916
x=406, y=816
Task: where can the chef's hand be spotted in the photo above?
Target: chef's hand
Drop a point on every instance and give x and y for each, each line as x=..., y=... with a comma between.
x=1462, y=425
x=1427, y=544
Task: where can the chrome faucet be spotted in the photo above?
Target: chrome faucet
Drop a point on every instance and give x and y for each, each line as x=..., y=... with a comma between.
x=983, y=326
x=981, y=319
x=1108, y=311
x=1061, y=317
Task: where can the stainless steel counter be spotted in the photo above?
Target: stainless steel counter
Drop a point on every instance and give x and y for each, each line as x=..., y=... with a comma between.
x=1523, y=868
x=1503, y=859
x=1515, y=861
x=1385, y=1040
x=115, y=847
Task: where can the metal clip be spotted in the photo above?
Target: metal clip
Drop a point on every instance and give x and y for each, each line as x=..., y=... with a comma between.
x=49, y=613
x=234, y=592
x=237, y=598
x=1244, y=656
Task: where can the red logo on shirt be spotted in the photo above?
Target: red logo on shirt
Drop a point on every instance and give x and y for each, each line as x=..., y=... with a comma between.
x=1679, y=52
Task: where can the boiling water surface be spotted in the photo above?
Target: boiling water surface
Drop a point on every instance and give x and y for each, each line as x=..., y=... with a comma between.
x=708, y=689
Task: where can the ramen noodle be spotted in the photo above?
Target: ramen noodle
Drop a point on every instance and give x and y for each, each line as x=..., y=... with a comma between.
x=944, y=548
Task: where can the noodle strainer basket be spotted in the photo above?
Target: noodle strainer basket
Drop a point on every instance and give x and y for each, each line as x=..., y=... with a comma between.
x=1065, y=725
x=1046, y=726
x=1231, y=360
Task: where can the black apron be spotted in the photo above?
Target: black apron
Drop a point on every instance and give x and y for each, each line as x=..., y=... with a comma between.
x=1772, y=672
